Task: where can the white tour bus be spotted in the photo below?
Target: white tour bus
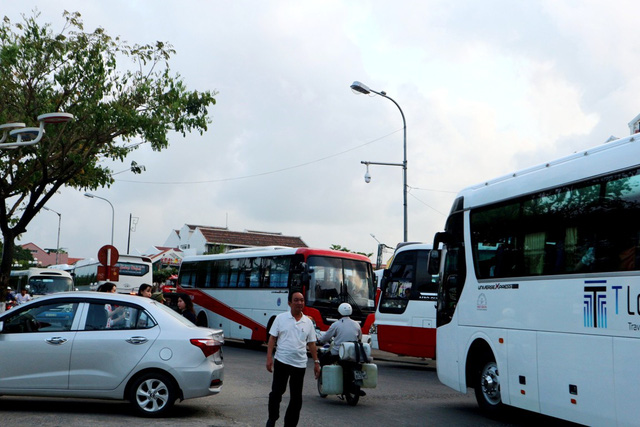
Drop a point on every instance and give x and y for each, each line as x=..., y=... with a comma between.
x=406, y=315
x=40, y=281
x=539, y=298
x=134, y=271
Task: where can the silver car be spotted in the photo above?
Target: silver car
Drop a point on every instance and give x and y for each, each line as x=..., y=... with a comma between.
x=108, y=346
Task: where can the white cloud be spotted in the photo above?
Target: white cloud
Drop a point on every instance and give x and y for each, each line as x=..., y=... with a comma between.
x=486, y=88
x=555, y=105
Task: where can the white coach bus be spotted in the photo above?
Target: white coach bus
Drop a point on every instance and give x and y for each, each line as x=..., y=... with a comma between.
x=539, y=296
x=134, y=270
x=40, y=281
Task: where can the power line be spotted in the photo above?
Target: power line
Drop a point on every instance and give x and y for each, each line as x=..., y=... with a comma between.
x=427, y=205
x=431, y=189
x=263, y=173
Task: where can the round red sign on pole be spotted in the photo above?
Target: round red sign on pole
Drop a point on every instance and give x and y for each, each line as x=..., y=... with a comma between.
x=108, y=255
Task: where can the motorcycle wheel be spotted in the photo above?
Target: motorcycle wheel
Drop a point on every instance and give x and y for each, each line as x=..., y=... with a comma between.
x=352, y=395
x=320, y=386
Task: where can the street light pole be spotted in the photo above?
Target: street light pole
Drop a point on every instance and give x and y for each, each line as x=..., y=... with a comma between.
x=59, y=223
x=358, y=87
x=113, y=212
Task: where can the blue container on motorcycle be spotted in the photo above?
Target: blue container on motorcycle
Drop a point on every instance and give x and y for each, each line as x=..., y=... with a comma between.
x=332, y=379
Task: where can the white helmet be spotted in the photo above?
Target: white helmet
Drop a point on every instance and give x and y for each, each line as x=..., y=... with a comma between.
x=345, y=309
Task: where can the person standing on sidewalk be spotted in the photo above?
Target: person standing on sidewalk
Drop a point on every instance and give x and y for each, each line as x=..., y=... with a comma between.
x=292, y=331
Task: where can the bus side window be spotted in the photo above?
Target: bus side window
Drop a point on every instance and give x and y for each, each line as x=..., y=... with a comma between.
x=424, y=281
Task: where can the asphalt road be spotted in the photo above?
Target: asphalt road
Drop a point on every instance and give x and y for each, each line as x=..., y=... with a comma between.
x=408, y=394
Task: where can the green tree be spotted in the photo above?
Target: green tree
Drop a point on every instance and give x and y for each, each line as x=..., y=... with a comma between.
x=161, y=275
x=335, y=247
x=115, y=110
x=22, y=257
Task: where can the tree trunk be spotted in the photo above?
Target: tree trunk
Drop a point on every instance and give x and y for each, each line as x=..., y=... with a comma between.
x=7, y=262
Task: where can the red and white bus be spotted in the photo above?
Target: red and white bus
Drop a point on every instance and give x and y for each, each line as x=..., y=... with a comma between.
x=243, y=290
x=406, y=315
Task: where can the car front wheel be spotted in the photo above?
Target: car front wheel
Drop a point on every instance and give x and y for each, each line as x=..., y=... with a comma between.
x=152, y=395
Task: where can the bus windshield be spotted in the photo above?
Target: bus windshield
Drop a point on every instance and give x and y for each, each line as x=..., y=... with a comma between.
x=335, y=280
x=407, y=279
x=42, y=285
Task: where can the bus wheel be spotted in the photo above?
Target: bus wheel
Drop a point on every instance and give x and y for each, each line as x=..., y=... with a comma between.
x=202, y=320
x=487, y=387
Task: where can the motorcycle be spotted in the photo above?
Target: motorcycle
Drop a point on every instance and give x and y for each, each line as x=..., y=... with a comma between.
x=352, y=372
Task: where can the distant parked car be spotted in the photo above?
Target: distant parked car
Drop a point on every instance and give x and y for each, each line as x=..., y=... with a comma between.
x=108, y=346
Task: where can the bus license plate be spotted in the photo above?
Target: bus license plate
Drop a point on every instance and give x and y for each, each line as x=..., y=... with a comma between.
x=359, y=375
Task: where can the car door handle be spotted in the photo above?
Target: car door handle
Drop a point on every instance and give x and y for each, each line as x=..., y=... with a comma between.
x=56, y=340
x=137, y=340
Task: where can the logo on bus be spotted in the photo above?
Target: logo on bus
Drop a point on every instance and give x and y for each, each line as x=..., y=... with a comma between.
x=595, y=306
x=482, y=302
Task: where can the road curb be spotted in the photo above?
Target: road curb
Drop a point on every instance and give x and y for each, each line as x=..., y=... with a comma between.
x=390, y=357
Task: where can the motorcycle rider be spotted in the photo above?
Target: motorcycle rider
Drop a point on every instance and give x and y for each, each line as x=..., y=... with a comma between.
x=344, y=330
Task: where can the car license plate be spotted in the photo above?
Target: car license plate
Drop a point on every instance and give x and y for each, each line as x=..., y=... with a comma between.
x=359, y=375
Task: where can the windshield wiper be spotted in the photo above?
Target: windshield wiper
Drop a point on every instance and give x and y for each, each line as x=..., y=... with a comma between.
x=346, y=297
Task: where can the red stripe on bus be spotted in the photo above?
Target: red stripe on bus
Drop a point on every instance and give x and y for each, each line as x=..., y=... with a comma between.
x=258, y=331
x=407, y=340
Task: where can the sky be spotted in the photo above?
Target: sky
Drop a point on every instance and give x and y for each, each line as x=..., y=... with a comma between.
x=486, y=87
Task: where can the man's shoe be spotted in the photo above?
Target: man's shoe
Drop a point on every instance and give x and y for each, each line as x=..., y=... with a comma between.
x=362, y=393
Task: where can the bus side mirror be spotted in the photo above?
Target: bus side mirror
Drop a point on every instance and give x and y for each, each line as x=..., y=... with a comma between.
x=441, y=237
x=305, y=277
x=386, y=273
x=433, y=266
x=301, y=268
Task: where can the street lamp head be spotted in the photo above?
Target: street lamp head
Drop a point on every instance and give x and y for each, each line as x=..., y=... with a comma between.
x=367, y=176
x=51, y=210
x=358, y=87
x=32, y=135
x=89, y=195
x=10, y=126
x=26, y=134
x=57, y=117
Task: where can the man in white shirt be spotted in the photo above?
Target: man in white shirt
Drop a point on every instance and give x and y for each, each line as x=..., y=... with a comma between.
x=23, y=296
x=293, y=331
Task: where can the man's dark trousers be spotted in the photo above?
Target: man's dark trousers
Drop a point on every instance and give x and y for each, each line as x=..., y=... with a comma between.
x=283, y=373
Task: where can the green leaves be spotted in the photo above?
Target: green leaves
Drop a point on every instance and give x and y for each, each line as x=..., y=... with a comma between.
x=116, y=92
